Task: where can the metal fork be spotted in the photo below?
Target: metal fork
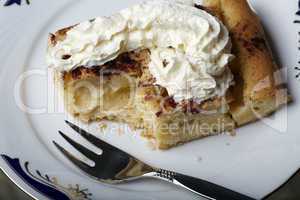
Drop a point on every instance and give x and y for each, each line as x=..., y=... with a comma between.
x=115, y=166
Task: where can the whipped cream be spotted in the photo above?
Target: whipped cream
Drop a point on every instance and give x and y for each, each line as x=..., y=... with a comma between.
x=187, y=78
x=190, y=49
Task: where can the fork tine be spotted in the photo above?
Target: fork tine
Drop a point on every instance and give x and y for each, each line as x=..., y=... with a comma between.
x=86, y=168
x=94, y=140
x=88, y=153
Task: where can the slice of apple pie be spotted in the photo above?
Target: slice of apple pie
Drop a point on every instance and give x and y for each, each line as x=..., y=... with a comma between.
x=178, y=71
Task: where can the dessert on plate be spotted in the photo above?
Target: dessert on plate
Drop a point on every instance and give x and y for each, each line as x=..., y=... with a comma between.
x=177, y=70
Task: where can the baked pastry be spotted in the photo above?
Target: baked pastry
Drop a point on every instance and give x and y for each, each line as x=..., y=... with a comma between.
x=260, y=89
x=166, y=67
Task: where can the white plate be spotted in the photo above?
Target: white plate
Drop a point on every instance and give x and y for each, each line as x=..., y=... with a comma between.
x=260, y=158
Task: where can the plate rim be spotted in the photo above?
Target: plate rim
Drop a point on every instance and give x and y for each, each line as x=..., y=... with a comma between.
x=26, y=188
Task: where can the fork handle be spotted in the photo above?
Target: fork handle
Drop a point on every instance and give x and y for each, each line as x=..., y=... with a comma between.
x=203, y=188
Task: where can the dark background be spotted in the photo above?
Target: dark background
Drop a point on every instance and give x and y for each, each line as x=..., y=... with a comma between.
x=290, y=191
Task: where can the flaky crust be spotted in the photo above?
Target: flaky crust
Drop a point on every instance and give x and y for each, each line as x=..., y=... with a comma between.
x=258, y=90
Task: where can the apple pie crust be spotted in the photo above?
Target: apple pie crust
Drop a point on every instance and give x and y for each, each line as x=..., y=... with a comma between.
x=126, y=90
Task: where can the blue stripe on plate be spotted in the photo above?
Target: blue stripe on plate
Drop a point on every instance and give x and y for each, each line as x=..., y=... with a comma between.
x=49, y=191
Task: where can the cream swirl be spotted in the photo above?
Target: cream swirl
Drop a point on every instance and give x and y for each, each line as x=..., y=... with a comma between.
x=185, y=78
x=194, y=44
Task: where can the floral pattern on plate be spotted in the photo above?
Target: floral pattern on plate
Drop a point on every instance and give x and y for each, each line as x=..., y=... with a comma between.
x=18, y=2
x=48, y=186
